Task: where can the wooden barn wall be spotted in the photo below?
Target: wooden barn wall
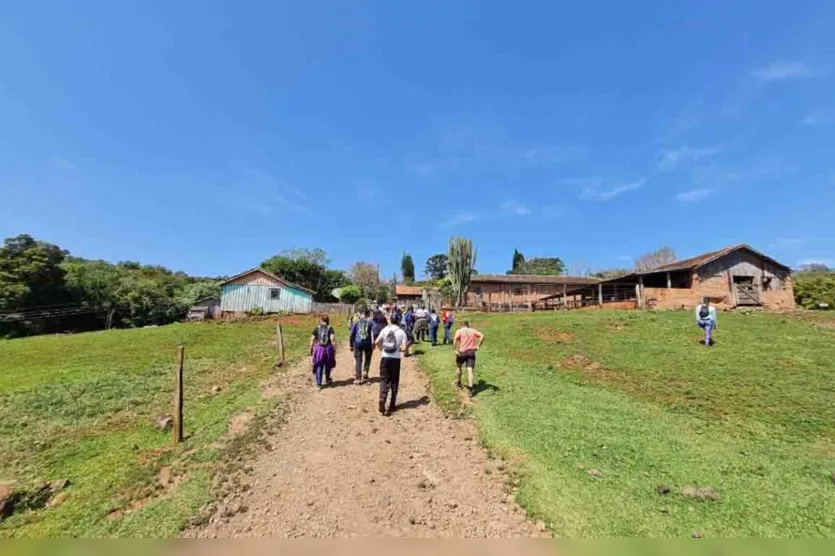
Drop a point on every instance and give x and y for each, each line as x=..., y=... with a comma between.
x=745, y=263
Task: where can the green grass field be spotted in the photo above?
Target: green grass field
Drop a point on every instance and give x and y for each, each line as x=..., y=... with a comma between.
x=637, y=398
x=82, y=407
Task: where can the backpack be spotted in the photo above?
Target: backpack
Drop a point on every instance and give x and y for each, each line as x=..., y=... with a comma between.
x=364, y=332
x=323, y=335
x=704, y=312
x=390, y=341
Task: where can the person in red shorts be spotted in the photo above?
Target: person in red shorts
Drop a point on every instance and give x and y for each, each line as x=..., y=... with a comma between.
x=466, y=342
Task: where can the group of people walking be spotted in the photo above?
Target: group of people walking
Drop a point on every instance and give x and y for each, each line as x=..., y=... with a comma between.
x=390, y=330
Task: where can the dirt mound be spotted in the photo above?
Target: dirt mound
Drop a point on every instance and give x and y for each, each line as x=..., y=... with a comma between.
x=336, y=468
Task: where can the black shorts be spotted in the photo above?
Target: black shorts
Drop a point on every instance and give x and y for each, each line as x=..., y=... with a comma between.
x=466, y=359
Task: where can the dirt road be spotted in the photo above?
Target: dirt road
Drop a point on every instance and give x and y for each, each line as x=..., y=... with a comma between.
x=339, y=469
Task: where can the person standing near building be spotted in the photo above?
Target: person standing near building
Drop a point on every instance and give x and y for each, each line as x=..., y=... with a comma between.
x=392, y=344
x=434, y=323
x=322, y=351
x=449, y=320
x=409, y=327
x=361, y=343
x=467, y=342
x=706, y=319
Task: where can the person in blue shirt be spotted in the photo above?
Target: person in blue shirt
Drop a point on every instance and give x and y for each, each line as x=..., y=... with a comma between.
x=434, y=323
x=408, y=327
x=361, y=342
x=706, y=319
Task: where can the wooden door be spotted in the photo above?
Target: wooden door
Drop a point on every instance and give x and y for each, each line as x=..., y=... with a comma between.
x=747, y=293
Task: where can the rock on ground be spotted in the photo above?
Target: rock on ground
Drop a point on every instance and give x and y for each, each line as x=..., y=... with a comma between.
x=339, y=469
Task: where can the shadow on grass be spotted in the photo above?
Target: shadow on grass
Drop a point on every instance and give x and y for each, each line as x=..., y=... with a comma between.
x=483, y=386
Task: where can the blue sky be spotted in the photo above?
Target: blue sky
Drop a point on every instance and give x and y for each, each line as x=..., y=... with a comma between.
x=209, y=135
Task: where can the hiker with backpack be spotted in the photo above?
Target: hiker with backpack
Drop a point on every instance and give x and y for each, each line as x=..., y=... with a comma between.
x=379, y=322
x=392, y=344
x=706, y=319
x=361, y=343
x=323, y=352
x=409, y=327
x=467, y=342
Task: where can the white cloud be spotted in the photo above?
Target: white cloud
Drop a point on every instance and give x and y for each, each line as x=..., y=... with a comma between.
x=671, y=158
x=61, y=162
x=818, y=118
x=786, y=242
x=457, y=220
x=595, y=193
x=693, y=195
x=782, y=71
x=514, y=207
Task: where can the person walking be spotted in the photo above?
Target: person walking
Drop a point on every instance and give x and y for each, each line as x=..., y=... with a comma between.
x=392, y=344
x=706, y=319
x=361, y=343
x=467, y=342
x=434, y=322
x=322, y=351
x=449, y=320
x=409, y=327
x=379, y=322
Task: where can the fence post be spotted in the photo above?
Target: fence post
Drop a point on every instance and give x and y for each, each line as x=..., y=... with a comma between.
x=280, y=344
x=178, y=397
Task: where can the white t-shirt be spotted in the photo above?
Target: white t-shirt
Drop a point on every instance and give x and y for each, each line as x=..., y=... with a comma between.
x=399, y=335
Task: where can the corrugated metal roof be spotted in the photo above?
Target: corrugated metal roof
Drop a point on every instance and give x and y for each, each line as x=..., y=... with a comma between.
x=704, y=258
x=271, y=275
x=401, y=289
x=532, y=279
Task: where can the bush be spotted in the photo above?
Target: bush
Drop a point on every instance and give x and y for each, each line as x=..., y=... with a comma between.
x=350, y=294
x=812, y=289
x=257, y=312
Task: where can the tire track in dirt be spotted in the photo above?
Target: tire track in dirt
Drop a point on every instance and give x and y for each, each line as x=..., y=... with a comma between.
x=339, y=469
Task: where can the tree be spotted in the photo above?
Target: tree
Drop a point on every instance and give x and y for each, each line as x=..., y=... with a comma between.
x=609, y=273
x=518, y=260
x=462, y=259
x=407, y=269
x=307, y=268
x=367, y=277
x=661, y=256
x=31, y=273
x=813, y=267
x=815, y=290
x=435, y=266
x=350, y=294
x=540, y=266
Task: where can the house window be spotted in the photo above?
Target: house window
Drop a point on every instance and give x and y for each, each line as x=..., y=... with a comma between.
x=478, y=290
x=275, y=293
x=518, y=290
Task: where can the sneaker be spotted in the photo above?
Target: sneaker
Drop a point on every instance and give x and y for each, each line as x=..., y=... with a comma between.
x=329, y=381
x=318, y=386
x=470, y=392
x=459, y=385
x=382, y=408
x=392, y=409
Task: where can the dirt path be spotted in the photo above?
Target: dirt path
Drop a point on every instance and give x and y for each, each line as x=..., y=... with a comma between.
x=339, y=469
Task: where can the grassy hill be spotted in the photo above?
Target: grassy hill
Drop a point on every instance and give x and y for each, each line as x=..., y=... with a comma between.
x=82, y=407
x=634, y=398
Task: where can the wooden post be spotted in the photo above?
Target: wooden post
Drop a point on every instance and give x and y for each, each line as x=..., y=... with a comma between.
x=279, y=341
x=600, y=295
x=638, y=303
x=564, y=295
x=669, y=281
x=178, y=397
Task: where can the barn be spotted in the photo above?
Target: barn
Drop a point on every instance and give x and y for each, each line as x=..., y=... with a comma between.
x=736, y=276
x=259, y=290
x=518, y=292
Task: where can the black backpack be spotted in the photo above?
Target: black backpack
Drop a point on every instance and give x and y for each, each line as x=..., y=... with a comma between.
x=704, y=311
x=364, y=332
x=323, y=335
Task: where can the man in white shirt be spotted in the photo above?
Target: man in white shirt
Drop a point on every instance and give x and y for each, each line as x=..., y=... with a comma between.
x=392, y=342
x=706, y=319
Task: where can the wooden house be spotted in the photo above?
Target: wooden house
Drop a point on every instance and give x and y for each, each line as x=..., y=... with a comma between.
x=512, y=292
x=259, y=290
x=736, y=276
x=408, y=295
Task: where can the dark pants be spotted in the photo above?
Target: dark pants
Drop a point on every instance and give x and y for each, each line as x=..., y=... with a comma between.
x=322, y=371
x=361, y=367
x=433, y=334
x=448, y=333
x=389, y=380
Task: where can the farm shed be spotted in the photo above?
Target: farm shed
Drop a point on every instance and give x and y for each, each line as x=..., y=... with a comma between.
x=514, y=292
x=206, y=308
x=258, y=289
x=408, y=295
x=736, y=276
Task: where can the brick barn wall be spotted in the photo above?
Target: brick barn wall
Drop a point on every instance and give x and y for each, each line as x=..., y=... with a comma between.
x=782, y=299
x=495, y=292
x=715, y=287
